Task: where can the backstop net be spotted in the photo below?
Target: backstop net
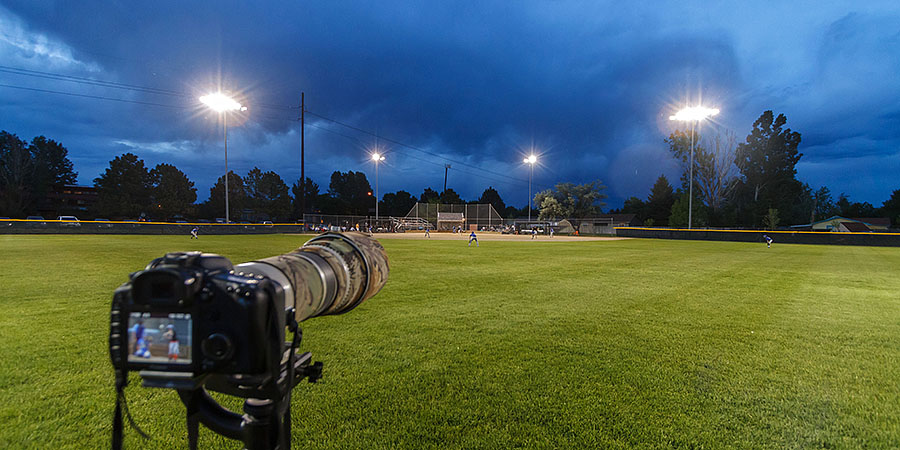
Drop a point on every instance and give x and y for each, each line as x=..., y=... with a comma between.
x=480, y=216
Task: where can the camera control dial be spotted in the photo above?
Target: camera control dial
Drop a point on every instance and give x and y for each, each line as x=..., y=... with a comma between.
x=217, y=347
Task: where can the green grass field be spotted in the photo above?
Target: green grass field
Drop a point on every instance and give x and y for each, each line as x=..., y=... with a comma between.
x=634, y=343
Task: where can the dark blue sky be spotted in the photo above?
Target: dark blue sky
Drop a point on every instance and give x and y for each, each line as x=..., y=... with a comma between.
x=589, y=85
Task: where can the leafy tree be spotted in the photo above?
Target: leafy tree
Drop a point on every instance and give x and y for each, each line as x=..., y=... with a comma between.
x=172, y=191
x=430, y=196
x=659, y=203
x=511, y=212
x=51, y=165
x=16, y=172
x=237, y=197
x=767, y=163
x=636, y=206
x=576, y=201
x=679, y=214
x=450, y=197
x=352, y=192
x=551, y=208
x=714, y=167
x=854, y=209
x=716, y=171
x=312, y=194
x=397, y=204
x=267, y=194
x=124, y=189
x=770, y=221
x=29, y=172
x=490, y=195
x=891, y=208
x=823, y=205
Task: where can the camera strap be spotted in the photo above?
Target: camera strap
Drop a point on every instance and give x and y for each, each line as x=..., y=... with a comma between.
x=122, y=404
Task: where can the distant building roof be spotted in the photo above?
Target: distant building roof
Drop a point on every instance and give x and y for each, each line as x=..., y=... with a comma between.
x=855, y=227
x=877, y=221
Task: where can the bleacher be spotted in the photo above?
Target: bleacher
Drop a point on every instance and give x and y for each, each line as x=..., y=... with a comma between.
x=413, y=223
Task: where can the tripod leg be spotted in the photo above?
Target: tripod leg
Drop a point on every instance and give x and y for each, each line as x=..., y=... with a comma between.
x=286, y=425
x=193, y=420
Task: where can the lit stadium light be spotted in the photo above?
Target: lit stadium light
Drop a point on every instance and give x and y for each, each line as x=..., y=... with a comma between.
x=220, y=102
x=377, y=158
x=530, y=160
x=693, y=114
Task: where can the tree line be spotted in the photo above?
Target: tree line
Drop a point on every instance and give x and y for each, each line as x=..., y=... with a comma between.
x=749, y=184
x=129, y=189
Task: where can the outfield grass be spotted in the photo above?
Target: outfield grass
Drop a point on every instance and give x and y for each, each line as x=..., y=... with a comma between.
x=635, y=343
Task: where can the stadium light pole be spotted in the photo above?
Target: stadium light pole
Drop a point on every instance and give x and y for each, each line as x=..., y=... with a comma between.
x=377, y=158
x=530, y=160
x=693, y=114
x=222, y=103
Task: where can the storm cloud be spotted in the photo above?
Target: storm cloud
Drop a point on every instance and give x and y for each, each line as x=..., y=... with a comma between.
x=589, y=86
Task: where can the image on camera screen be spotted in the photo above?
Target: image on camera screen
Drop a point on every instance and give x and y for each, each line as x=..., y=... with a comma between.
x=159, y=338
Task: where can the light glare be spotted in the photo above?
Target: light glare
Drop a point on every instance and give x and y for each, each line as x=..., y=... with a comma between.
x=220, y=102
x=530, y=160
x=694, y=113
x=376, y=157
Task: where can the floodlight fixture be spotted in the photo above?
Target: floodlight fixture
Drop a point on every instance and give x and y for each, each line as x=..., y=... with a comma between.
x=376, y=158
x=531, y=159
x=220, y=102
x=693, y=114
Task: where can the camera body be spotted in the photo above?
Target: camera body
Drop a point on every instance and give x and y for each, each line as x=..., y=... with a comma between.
x=191, y=312
x=193, y=322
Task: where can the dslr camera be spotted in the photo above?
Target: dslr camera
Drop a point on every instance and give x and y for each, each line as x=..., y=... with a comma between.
x=195, y=323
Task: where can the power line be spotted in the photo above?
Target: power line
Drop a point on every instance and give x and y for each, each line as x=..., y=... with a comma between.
x=89, y=81
x=97, y=97
x=115, y=85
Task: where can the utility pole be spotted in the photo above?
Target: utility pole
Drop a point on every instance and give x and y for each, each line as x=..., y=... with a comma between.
x=446, y=168
x=302, y=159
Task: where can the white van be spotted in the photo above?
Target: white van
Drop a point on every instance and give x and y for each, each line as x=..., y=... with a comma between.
x=68, y=221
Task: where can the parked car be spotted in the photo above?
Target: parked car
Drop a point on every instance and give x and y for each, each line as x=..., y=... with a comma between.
x=69, y=221
x=106, y=223
x=38, y=221
x=268, y=223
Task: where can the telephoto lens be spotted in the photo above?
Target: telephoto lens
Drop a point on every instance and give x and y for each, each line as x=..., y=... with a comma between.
x=331, y=274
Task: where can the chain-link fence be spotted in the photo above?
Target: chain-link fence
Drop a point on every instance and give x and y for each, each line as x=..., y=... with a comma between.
x=481, y=216
x=322, y=222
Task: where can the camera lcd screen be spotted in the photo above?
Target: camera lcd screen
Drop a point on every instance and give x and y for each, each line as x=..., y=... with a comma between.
x=159, y=338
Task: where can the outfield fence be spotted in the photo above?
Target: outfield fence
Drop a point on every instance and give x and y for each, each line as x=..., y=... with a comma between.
x=783, y=237
x=22, y=226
